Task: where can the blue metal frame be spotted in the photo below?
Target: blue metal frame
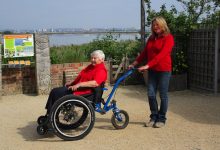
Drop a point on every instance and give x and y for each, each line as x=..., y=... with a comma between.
x=113, y=106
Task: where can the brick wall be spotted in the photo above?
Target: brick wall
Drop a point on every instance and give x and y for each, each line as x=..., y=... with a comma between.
x=18, y=81
x=23, y=80
x=62, y=73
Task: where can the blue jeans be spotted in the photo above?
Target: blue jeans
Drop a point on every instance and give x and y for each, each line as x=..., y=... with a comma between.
x=158, y=80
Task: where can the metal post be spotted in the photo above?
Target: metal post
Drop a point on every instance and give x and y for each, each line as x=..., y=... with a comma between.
x=142, y=23
x=217, y=39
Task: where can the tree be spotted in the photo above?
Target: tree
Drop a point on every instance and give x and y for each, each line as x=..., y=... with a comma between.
x=195, y=13
x=7, y=32
x=201, y=10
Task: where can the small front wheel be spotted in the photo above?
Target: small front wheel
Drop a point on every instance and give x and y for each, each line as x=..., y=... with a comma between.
x=41, y=120
x=41, y=130
x=120, y=119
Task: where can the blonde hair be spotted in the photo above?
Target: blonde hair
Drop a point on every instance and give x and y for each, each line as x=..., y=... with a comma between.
x=162, y=23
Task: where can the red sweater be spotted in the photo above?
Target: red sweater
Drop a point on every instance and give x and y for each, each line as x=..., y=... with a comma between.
x=97, y=73
x=157, y=52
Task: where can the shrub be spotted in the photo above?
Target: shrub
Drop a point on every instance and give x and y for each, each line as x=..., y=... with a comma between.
x=179, y=63
x=112, y=48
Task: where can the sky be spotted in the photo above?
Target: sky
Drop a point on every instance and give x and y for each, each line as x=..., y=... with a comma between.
x=39, y=14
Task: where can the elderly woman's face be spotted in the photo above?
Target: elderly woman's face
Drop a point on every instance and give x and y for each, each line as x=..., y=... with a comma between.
x=156, y=27
x=96, y=60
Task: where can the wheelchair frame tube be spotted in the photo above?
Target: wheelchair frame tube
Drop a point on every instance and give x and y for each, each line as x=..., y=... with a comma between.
x=129, y=72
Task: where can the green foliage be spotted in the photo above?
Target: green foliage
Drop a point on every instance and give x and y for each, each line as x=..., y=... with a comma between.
x=213, y=19
x=109, y=44
x=183, y=22
x=67, y=54
x=179, y=63
x=7, y=32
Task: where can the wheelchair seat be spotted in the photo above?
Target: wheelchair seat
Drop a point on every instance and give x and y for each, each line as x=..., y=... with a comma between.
x=96, y=95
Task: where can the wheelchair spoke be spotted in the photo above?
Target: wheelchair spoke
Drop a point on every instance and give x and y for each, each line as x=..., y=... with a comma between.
x=72, y=119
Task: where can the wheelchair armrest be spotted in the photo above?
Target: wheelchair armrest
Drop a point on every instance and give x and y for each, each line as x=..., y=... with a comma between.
x=97, y=92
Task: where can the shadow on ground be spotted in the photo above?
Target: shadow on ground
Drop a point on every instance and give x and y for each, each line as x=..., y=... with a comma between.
x=194, y=106
x=29, y=133
x=109, y=126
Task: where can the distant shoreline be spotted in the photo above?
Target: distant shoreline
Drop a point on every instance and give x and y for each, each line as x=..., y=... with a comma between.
x=95, y=32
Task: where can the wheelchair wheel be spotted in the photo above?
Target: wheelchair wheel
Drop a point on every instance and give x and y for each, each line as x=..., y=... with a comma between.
x=41, y=120
x=41, y=130
x=72, y=117
x=120, y=119
x=73, y=125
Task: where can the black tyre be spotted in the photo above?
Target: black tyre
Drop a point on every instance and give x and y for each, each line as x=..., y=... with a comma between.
x=41, y=120
x=75, y=122
x=120, y=120
x=41, y=130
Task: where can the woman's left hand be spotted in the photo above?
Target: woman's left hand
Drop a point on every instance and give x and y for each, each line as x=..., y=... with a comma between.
x=143, y=68
x=74, y=87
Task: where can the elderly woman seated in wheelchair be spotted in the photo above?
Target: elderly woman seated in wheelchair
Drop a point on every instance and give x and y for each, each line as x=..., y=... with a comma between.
x=70, y=109
x=94, y=75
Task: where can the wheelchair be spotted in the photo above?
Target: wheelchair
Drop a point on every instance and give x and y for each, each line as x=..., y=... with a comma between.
x=72, y=117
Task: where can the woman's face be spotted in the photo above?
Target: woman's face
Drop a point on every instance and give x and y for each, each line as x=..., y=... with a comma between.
x=156, y=28
x=95, y=60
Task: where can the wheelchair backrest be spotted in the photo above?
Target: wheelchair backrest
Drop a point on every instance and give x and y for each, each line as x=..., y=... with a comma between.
x=98, y=92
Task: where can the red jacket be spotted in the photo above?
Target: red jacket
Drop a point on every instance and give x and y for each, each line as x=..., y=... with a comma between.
x=157, y=52
x=97, y=73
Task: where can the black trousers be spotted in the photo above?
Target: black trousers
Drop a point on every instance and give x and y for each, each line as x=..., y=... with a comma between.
x=59, y=92
x=55, y=94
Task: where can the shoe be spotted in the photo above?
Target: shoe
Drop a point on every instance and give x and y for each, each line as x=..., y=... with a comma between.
x=159, y=124
x=99, y=109
x=150, y=123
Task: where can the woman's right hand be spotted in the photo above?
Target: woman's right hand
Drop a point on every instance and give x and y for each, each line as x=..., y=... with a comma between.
x=67, y=84
x=143, y=68
x=130, y=66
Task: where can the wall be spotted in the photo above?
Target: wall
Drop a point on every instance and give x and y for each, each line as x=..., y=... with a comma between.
x=23, y=80
x=18, y=80
x=62, y=73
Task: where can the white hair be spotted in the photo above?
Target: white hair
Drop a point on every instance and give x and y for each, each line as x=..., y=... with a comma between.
x=98, y=53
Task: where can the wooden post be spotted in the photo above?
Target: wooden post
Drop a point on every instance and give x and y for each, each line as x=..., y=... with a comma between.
x=119, y=68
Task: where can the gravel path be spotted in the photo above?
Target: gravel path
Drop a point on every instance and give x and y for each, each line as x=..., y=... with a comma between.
x=193, y=124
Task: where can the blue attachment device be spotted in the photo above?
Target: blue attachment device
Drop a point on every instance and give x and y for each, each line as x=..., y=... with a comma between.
x=113, y=106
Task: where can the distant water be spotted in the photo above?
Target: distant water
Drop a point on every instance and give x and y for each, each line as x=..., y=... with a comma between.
x=77, y=39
